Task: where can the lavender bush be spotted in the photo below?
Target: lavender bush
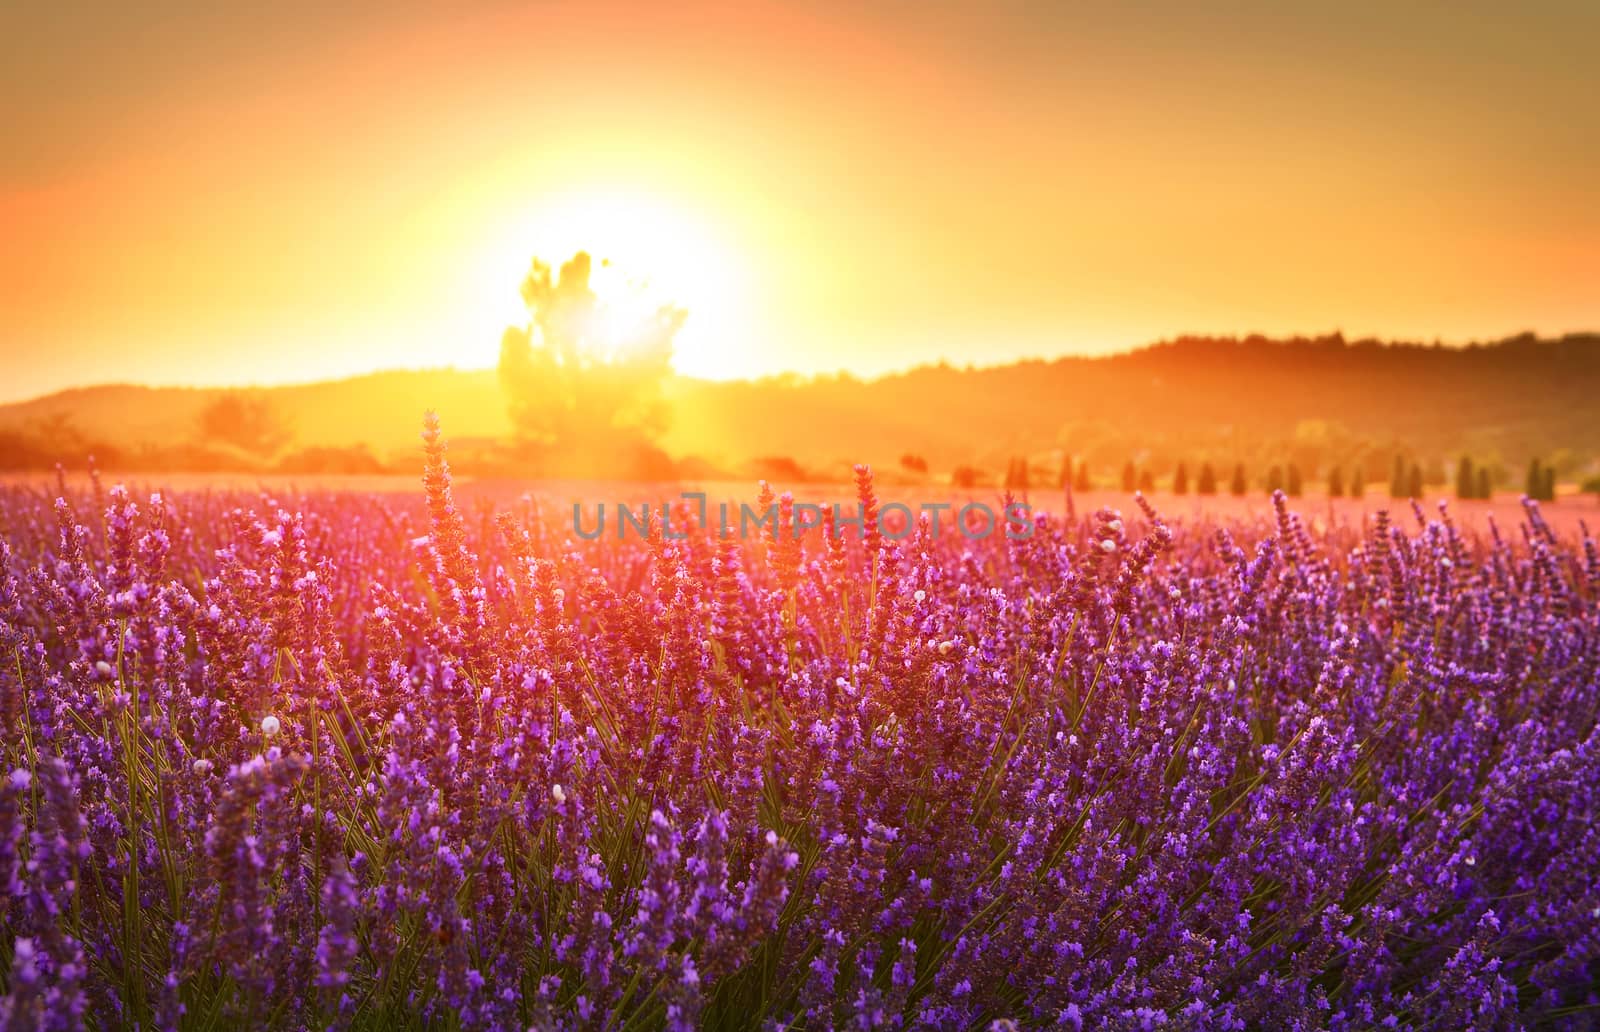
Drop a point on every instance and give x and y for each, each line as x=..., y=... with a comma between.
x=340, y=762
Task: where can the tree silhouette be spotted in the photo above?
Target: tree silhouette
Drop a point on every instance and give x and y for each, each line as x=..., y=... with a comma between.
x=1274, y=479
x=1208, y=481
x=1180, y=480
x=1239, y=485
x=1130, y=477
x=579, y=375
x=1414, y=482
x=248, y=423
x=1294, y=482
x=1485, y=485
x=1466, y=483
x=1358, y=487
x=1082, y=483
x=1335, y=482
x=1535, y=484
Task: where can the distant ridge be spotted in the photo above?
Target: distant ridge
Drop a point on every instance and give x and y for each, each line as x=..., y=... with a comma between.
x=1224, y=399
x=380, y=409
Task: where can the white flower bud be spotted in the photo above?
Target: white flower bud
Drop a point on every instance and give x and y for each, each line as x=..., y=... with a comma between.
x=270, y=726
x=558, y=793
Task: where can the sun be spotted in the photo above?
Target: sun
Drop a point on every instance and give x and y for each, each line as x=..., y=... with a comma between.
x=646, y=252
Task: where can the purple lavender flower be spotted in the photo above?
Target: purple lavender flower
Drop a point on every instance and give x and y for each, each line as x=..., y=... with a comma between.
x=339, y=760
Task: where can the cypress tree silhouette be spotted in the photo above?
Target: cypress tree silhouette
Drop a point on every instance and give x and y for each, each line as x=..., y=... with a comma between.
x=1082, y=483
x=1295, y=484
x=1239, y=485
x=1130, y=477
x=1535, y=485
x=1485, y=485
x=1208, y=480
x=1414, y=482
x=1180, y=480
x=1466, y=483
x=1274, y=479
x=1358, y=487
x=1335, y=482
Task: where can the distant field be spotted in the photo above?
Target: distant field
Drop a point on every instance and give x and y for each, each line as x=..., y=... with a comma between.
x=1565, y=515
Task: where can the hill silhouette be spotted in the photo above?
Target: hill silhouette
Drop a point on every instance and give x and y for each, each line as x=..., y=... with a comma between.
x=1316, y=402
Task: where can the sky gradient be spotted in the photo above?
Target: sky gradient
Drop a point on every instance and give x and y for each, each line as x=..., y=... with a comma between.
x=193, y=195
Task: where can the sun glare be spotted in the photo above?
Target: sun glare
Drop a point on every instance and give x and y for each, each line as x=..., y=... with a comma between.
x=647, y=253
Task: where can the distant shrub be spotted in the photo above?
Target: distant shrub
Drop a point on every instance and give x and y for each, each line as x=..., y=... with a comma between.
x=780, y=469
x=967, y=476
x=356, y=458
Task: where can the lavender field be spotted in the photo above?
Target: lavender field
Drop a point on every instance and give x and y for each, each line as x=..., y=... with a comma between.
x=343, y=760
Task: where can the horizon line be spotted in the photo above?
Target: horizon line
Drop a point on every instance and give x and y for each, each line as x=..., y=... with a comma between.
x=802, y=378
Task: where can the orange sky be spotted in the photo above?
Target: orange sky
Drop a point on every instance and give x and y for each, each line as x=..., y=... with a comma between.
x=190, y=195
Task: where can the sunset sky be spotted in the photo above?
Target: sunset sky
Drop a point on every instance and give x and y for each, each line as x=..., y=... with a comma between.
x=302, y=190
